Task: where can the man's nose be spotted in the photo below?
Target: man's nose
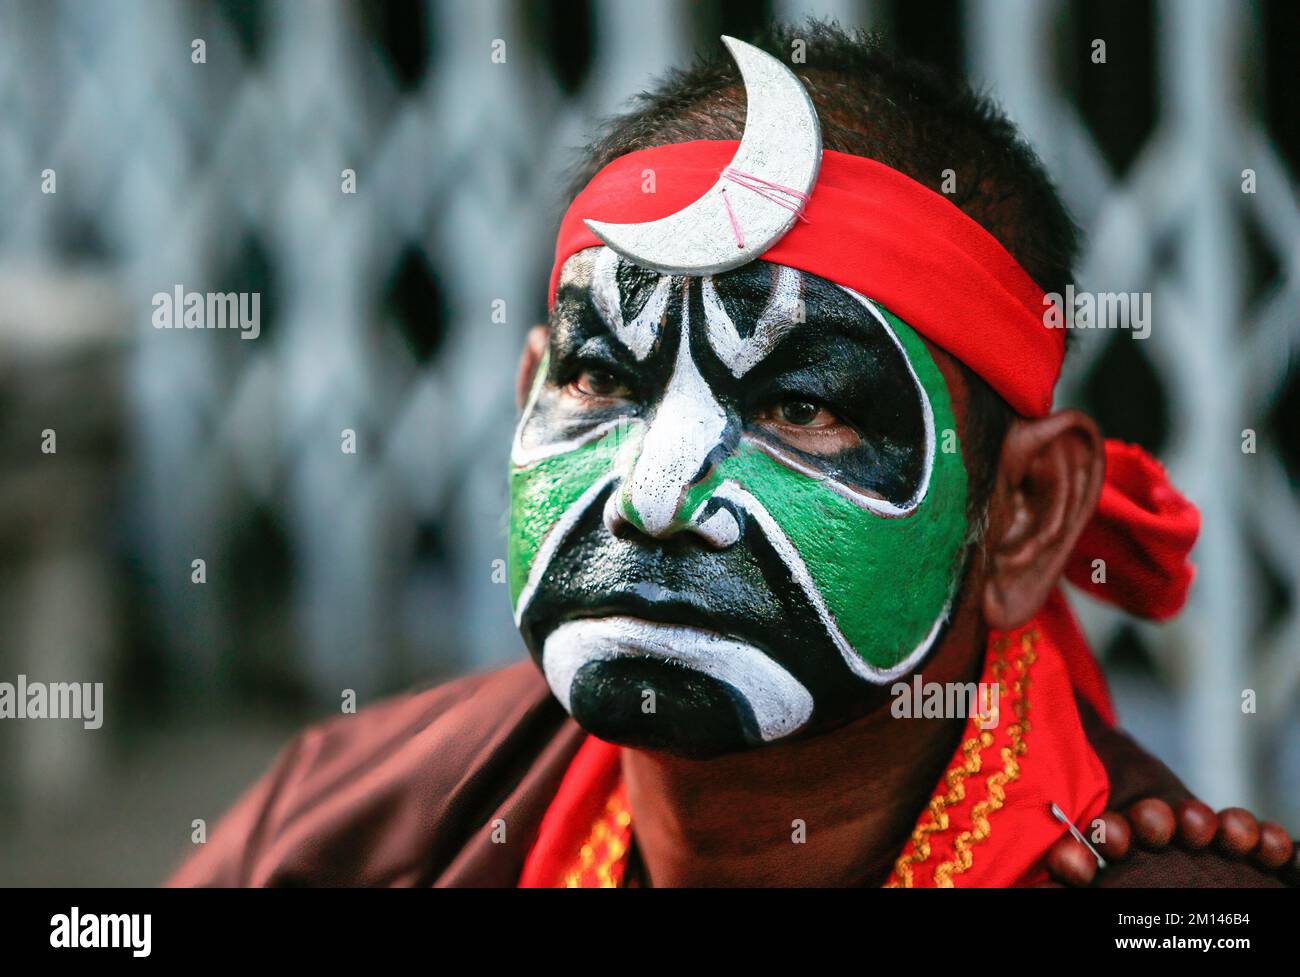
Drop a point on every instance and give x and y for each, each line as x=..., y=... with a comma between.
x=717, y=527
x=683, y=441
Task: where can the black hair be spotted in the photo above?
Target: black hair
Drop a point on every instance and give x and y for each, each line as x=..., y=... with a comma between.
x=874, y=102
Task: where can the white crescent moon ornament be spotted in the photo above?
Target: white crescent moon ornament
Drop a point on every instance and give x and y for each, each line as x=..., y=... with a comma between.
x=752, y=205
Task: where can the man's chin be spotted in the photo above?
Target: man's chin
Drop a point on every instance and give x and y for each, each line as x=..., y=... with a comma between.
x=684, y=690
x=654, y=705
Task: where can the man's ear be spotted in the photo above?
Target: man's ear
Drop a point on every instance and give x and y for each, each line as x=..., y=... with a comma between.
x=534, y=347
x=1049, y=479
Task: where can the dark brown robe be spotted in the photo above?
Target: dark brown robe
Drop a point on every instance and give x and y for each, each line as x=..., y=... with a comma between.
x=406, y=793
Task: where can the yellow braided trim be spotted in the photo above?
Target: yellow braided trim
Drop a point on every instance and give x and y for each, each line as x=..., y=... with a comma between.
x=603, y=840
x=954, y=780
x=963, y=857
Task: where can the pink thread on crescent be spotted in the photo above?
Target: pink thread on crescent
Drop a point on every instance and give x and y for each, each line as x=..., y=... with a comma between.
x=764, y=188
x=735, y=225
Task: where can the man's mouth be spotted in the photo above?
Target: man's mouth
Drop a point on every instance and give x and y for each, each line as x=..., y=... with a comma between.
x=658, y=604
x=780, y=704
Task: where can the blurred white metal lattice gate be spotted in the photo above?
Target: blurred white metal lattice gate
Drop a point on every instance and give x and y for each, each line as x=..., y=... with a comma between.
x=231, y=170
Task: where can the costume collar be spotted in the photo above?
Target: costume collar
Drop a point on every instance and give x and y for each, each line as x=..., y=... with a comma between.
x=988, y=823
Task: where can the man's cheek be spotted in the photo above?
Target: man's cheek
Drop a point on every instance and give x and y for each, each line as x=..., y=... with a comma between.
x=546, y=496
x=884, y=584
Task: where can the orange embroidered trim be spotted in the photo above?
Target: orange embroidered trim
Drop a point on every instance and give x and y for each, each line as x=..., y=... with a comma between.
x=601, y=860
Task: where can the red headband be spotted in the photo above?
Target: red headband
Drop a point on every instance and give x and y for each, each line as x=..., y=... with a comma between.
x=878, y=232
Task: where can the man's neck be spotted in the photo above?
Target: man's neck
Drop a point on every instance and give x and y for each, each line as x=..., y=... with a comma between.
x=832, y=810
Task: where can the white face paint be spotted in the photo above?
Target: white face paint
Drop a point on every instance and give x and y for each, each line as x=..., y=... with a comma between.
x=687, y=427
x=740, y=355
x=638, y=335
x=779, y=703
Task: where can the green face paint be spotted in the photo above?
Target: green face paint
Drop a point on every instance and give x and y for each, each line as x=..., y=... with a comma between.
x=542, y=493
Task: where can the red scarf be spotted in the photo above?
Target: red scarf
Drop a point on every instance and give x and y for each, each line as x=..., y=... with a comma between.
x=988, y=822
x=883, y=234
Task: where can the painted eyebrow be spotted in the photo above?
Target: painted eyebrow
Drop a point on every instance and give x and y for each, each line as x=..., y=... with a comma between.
x=601, y=343
x=819, y=295
x=641, y=333
x=578, y=327
x=572, y=322
x=771, y=318
x=577, y=312
x=569, y=293
x=829, y=310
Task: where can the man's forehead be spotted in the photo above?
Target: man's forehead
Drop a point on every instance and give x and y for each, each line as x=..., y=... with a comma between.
x=745, y=312
x=595, y=266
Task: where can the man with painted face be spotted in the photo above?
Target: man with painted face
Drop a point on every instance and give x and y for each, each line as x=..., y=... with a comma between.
x=751, y=526
x=786, y=442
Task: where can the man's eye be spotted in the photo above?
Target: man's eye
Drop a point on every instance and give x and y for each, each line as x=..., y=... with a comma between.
x=803, y=423
x=802, y=413
x=595, y=382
